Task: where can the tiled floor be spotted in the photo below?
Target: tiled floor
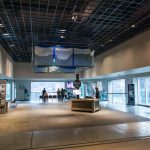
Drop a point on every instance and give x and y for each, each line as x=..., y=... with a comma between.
x=125, y=136
x=53, y=139
x=143, y=144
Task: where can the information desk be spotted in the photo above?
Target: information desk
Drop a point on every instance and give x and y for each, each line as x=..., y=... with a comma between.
x=91, y=105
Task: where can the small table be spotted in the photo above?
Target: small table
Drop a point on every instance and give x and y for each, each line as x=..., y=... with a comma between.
x=91, y=105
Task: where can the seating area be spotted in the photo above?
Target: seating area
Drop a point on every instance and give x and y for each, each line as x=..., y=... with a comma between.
x=48, y=97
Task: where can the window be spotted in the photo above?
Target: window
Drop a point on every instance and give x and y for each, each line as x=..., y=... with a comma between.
x=144, y=90
x=8, y=91
x=99, y=85
x=51, y=88
x=116, y=91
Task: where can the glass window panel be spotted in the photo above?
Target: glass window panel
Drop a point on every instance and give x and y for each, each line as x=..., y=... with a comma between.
x=142, y=91
x=148, y=91
x=50, y=87
x=8, y=91
x=116, y=90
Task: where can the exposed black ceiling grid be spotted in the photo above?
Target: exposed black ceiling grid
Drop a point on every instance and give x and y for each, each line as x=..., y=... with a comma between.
x=96, y=24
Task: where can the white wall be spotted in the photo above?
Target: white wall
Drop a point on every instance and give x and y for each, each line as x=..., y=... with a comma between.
x=6, y=64
x=132, y=54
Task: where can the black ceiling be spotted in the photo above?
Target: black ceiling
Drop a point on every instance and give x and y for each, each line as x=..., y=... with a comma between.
x=96, y=24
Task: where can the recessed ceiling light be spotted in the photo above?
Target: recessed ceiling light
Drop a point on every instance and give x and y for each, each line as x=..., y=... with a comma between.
x=110, y=40
x=133, y=25
x=62, y=37
x=74, y=18
x=5, y=34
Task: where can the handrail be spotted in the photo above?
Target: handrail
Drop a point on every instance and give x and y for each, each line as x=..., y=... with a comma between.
x=116, y=93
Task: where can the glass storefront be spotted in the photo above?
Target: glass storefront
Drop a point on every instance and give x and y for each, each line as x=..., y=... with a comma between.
x=116, y=91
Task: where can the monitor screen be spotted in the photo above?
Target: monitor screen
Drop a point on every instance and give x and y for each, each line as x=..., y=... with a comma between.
x=69, y=85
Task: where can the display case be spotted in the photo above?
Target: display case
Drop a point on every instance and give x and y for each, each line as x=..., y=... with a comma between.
x=2, y=92
x=3, y=103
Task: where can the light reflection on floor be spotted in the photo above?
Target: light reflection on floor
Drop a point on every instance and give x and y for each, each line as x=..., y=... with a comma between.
x=54, y=100
x=137, y=110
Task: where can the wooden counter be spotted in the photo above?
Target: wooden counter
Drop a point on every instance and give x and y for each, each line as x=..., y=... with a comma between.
x=90, y=105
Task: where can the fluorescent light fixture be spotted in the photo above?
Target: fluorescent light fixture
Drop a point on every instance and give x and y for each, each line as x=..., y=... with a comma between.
x=5, y=34
x=63, y=30
x=1, y=25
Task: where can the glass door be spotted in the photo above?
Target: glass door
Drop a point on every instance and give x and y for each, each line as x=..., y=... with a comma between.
x=116, y=91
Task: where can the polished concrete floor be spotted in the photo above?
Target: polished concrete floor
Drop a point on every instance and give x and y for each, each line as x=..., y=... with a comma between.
x=106, y=129
x=136, y=110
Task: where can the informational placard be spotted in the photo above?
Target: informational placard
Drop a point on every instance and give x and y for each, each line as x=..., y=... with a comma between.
x=131, y=94
x=2, y=92
x=76, y=92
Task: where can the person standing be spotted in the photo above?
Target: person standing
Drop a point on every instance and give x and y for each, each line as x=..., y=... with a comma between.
x=43, y=92
x=62, y=94
x=58, y=94
x=97, y=93
x=26, y=95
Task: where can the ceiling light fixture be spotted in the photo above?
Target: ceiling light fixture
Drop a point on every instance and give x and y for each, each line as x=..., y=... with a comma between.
x=133, y=25
x=1, y=25
x=63, y=30
x=62, y=37
x=5, y=34
x=12, y=45
x=102, y=45
x=74, y=18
